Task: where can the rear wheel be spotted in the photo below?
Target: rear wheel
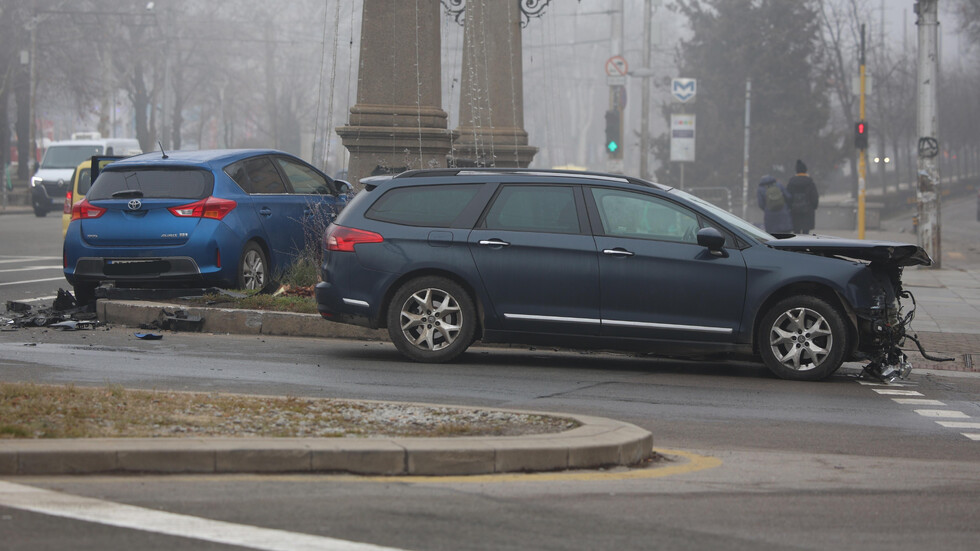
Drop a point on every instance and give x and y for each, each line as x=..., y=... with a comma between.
x=84, y=293
x=431, y=319
x=253, y=268
x=803, y=338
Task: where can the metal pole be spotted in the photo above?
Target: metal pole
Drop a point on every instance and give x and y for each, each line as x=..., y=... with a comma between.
x=862, y=153
x=745, y=155
x=615, y=161
x=32, y=135
x=645, y=100
x=927, y=126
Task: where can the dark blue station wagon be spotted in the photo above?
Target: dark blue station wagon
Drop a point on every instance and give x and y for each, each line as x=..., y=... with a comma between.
x=598, y=261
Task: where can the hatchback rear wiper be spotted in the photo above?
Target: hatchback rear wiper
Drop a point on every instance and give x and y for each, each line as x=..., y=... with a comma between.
x=127, y=193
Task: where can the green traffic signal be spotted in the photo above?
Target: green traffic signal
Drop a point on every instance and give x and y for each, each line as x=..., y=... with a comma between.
x=612, y=147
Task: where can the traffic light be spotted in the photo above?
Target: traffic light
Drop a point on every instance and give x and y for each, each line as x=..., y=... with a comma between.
x=861, y=135
x=613, y=132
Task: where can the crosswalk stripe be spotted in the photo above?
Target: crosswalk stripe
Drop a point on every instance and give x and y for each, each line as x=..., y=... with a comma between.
x=58, y=504
x=896, y=392
x=959, y=424
x=32, y=281
x=942, y=413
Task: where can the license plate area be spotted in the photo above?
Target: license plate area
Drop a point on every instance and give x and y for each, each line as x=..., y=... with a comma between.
x=135, y=267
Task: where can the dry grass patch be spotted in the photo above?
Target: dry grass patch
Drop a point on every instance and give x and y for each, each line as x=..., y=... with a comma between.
x=30, y=410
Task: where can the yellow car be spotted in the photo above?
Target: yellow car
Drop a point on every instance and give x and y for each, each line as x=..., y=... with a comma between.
x=81, y=181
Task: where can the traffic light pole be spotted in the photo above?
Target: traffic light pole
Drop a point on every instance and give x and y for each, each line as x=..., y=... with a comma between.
x=862, y=150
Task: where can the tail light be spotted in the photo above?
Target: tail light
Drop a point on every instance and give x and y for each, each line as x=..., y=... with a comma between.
x=83, y=210
x=209, y=207
x=67, y=208
x=340, y=238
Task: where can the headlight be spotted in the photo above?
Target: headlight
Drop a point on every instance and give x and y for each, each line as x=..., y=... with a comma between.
x=36, y=181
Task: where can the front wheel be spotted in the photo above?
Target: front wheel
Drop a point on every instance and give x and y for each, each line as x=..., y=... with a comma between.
x=803, y=338
x=431, y=319
x=253, y=268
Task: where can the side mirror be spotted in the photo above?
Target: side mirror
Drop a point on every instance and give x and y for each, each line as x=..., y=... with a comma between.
x=343, y=186
x=713, y=240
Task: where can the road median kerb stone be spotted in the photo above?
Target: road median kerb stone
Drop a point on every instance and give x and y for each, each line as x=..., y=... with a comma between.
x=596, y=443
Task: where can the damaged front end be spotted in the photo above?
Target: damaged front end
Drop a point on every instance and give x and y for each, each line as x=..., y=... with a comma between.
x=884, y=317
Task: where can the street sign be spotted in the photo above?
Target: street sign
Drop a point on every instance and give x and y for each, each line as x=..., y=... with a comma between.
x=682, y=138
x=683, y=89
x=616, y=66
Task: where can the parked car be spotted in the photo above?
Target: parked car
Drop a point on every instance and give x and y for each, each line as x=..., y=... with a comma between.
x=50, y=183
x=225, y=218
x=442, y=258
x=81, y=181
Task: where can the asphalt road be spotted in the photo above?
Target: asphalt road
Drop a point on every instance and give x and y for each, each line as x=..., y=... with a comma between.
x=30, y=257
x=762, y=463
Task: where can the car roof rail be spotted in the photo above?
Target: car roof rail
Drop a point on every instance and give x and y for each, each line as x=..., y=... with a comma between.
x=462, y=171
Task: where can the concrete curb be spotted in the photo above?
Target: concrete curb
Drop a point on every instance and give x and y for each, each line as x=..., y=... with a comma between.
x=596, y=443
x=230, y=320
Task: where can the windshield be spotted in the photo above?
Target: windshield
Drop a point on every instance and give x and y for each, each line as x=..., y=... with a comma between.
x=68, y=156
x=167, y=183
x=745, y=227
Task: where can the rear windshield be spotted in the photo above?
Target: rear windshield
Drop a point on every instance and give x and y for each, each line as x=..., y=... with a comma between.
x=68, y=156
x=435, y=206
x=190, y=183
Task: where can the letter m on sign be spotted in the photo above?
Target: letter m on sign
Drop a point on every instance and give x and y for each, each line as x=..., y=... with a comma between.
x=683, y=89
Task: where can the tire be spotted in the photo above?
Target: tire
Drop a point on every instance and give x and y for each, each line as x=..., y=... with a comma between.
x=803, y=339
x=40, y=211
x=253, y=268
x=431, y=319
x=84, y=293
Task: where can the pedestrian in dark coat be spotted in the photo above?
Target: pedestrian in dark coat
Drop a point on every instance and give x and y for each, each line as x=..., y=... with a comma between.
x=803, y=199
x=774, y=205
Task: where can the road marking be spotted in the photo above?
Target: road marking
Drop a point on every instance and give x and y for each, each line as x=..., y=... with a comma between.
x=971, y=436
x=12, y=259
x=895, y=392
x=33, y=281
x=892, y=385
x=29, y=268
x=37, y=299
x=943, y=413
x=918, y=402
x=47, y=502
x=959, y=425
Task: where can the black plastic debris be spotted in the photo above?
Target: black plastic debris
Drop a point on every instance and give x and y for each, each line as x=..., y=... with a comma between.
x=178, y=320
x=64, y=309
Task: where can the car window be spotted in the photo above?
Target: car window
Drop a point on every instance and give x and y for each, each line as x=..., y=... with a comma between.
x=84, y=180
x=533, y=208
x=303, y=178
x=167, y=183
x=68, y=156
x=436, y=206
x=256, y=175
x=628, y=214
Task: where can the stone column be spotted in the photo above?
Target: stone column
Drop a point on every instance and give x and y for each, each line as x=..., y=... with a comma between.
x=398, y=123
x=491, y=105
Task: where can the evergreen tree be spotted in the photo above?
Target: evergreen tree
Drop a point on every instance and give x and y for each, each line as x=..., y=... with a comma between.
x=774, y=43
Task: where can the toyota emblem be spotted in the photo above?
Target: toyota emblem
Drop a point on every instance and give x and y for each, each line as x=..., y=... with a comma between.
x=135, y=204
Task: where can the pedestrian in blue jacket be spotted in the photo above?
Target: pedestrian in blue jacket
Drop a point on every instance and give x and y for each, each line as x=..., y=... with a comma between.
x=774, y=201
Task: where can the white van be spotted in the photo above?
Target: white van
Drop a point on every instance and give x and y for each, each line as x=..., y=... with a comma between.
x=50, y=183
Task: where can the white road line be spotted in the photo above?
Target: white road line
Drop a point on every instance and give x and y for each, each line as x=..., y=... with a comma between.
x=971, y=436
x=959, y=424
x=893, y=385
x=918, y=402
x=942, y=413
x=11, y=259
x=48, y=502
x=32, y=281
x=29, y=268
x=37, y=299
x=895, y=392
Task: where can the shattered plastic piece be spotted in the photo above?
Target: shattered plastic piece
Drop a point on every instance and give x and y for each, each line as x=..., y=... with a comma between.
x=64, y=301
x=18, y=307
x=148, y=336
x=66, y=325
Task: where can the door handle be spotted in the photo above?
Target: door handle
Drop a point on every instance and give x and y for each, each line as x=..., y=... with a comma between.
x=494, y=243
x=265, y=211
x=617, y=252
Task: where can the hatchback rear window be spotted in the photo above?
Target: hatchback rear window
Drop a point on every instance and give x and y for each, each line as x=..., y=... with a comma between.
x=435, y=206
x=190, y=183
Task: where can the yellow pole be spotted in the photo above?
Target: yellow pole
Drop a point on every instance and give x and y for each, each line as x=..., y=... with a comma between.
x=862, y=153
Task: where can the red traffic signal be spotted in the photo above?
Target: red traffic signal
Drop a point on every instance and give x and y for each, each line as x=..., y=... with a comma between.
x=861, y=135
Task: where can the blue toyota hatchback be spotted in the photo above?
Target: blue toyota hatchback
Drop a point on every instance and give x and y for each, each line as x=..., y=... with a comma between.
x=600, y=261
x=225, y=218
